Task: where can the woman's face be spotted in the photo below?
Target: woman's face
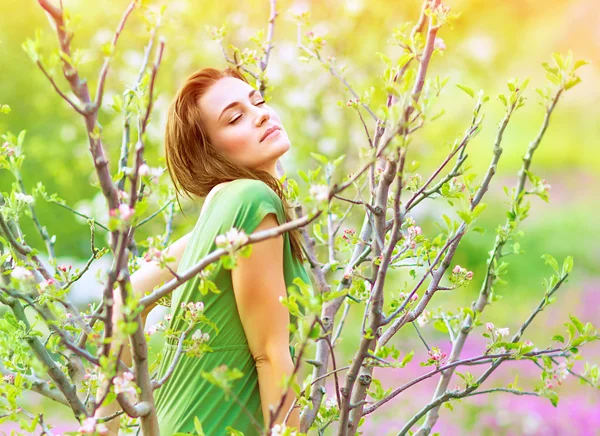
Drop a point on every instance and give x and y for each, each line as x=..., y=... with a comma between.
x=236, y=121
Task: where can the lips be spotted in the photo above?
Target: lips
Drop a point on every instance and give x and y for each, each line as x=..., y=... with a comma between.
x=269, y=130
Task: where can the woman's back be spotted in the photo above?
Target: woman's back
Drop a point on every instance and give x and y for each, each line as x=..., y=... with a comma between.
x=243, y=204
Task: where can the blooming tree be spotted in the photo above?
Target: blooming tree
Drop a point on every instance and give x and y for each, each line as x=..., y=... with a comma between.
x=79, y=353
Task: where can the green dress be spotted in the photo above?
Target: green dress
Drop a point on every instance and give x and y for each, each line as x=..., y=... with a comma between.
x=242, y=203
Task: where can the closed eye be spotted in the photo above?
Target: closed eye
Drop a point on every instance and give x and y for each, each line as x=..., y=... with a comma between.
x=236, y=119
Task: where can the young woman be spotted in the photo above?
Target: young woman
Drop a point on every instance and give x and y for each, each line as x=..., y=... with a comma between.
x=223, y=141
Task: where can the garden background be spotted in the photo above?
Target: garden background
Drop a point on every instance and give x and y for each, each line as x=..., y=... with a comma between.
x=490, y=42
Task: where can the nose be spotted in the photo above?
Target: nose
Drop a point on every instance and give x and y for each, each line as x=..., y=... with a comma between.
x=264, y=116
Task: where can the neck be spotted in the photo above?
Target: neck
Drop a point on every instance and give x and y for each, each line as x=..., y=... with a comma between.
x=271, y=168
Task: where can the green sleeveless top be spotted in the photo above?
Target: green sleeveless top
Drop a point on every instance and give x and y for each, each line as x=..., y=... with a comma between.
x=242, y=203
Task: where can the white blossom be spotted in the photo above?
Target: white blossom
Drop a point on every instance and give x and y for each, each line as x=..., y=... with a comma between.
x=331, y=403
x=21, y=273
x=279, y=430
x=502, y=332
x=319, y=192
x=424, y=318
x=23, y=197
x=232, y=239
x=562, y=372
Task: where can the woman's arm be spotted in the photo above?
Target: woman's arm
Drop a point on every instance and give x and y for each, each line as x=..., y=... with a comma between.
x=144, y=280
x=258, y=284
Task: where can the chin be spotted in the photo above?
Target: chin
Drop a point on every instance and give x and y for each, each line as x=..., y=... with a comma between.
x=279, y=148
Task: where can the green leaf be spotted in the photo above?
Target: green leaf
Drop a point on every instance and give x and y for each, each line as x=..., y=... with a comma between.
x=553, y=396
x=478, y=209
x=558, y=338
x=21, y=138
x=338, y=160
x=558, y=59
x=567, y=265
x=304, y=176
x=320, y=158
x=503, y=100
x=578, y=324
x=386, y=60
x=407, y=358
x=467, y=90
x=550, y=260
x=465, y=215
x=440, y=325
x=572, y=83
x=198, y=426
x=580, y=63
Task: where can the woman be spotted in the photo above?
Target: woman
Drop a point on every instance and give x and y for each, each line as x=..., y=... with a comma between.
x=223, y=141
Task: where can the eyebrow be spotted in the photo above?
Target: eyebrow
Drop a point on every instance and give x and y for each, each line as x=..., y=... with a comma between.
x=235, y=103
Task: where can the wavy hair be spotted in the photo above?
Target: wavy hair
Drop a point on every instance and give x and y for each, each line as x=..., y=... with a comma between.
x=194, y=164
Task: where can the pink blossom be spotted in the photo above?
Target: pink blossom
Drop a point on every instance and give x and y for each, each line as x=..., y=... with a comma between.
x=436, y=354
x=144, y=170
x=64, y=268
x=125, y=211
x=6, y=148
x=546, y=185
x=88, y=426
x=123, y=384
x=439, y=44
x=348, y=233
x=123, y=195
x=9, y=378
x=152, y=253
x=457, y=269
x=489, y=326
x=414, y=231
x=469, y=275
x=415, y=297
x=46, y=284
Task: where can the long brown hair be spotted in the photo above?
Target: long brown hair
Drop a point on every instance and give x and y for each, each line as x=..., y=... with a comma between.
x=194, y=164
